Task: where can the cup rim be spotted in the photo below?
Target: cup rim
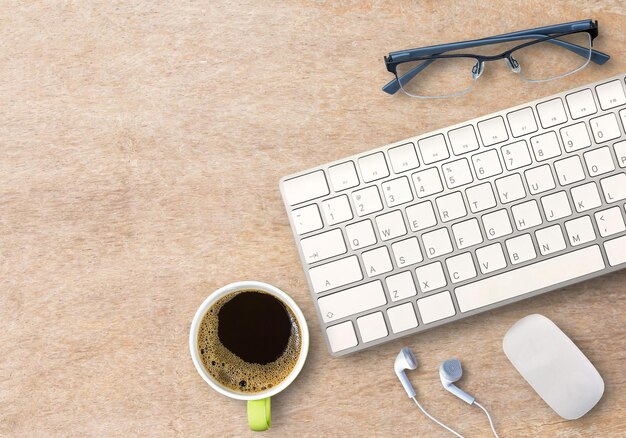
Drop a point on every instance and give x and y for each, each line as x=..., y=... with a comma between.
x=225, y=290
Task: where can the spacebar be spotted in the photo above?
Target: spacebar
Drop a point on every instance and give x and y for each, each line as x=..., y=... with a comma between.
x=529, y=278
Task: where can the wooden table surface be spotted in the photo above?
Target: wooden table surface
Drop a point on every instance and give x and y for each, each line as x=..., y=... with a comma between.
x=142, y=144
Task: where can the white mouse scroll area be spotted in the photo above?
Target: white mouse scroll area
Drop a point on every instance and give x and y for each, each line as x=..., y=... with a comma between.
x=554, y=366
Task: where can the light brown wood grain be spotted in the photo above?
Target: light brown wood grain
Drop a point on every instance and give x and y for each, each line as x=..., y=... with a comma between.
x=141, y=148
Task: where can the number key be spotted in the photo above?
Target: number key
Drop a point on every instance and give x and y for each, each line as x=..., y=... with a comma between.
x=516, y=155
x=427, y=182
x=337, y=210
x=545, y=146
x=486, y=164
x=575, y=137
x=457, y=173
x=367, y=201
x=605, y=128
x=397, y=191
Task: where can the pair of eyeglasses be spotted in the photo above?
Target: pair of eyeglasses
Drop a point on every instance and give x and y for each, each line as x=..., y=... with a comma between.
x=536, y=55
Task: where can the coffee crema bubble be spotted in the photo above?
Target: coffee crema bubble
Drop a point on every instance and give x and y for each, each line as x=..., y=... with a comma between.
x=249, y=341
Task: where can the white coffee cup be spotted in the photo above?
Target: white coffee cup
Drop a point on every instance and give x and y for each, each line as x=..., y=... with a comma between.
x=259, y=415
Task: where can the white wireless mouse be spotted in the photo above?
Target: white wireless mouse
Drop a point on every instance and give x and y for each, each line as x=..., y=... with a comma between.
x=554, y=366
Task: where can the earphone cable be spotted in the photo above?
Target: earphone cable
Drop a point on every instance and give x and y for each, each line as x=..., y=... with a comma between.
x=488, y=418
x=439, y=422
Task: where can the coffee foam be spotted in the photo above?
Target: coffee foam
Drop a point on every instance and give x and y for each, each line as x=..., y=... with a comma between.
x=232, y=371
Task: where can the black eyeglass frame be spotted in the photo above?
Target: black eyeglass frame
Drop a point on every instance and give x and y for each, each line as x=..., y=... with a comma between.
x=548, y=33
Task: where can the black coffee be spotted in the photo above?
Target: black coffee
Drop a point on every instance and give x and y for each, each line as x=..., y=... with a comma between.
x=249, y=341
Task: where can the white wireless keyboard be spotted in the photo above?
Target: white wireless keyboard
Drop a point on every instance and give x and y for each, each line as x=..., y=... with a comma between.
x=465, y=219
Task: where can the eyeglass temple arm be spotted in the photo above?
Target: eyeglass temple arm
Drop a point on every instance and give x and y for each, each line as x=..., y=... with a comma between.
x=394, y=85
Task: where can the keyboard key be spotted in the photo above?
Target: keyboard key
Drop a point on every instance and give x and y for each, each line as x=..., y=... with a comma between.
x=306, y=219
x=403, y=158
x=599, y=161
x=306, y=187
x=520, y=249
x=335, y=274
x=516, y=155
x=407, y=252
x=430, y=277
x=580, y=231
x=539, y=179
x=605, y=128
x=350, y=301
x=581, y=104
x=569, y=170
x=457, y=173
x=337, y=210
x=437, y=243
x=480, y=197
x=360, y=234
x=461, y=267
x=493, y=131
x=620, y=152
x=497, y=224
x=402, y=318
x=436, y=307
x=510, y=188
x=529, y=278
x=343, y=176
x=341, y=336
x=401, y=286
x=421, y=216
x=575, y=137
x=486, y=164
x=372, y=327
x=550, y=239
x=551, y=113
x=376, y=261
x=463, y=140
x=611, y=94
x=622, y=115
x=526, y=215
x=586, y=197
x=614, y=187
x=522, y=122
x=451, y=206
x=556, y=206
x=467, y=233
x=427, y=182
x=616, y=251
x=367, y=201
x=433, y=149
x=490, y=258
x=610, y=221
x=373, y=167
x=397, y=191
x=390, y=225
x=323, y=246
x=545, y=146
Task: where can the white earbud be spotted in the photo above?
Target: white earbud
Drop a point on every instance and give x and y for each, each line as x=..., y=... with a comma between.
x=450, y=371
x=405, y=360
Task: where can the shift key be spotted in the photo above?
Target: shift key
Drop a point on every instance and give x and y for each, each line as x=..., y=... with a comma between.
x=351, y=301
x=335, y=274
